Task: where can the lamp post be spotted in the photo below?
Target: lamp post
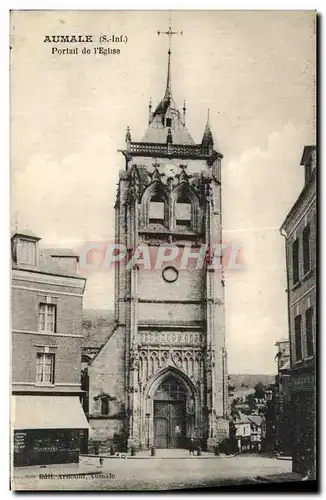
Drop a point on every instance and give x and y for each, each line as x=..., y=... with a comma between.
x=270, y=419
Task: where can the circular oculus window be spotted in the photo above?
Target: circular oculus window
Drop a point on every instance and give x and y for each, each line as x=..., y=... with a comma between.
x=170, y=274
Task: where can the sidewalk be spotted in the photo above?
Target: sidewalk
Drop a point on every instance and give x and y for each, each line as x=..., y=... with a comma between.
x=162, y=454
x=90, y=465
x=280, y=478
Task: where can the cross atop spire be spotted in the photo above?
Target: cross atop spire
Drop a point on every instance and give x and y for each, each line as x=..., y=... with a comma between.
x=169, y=33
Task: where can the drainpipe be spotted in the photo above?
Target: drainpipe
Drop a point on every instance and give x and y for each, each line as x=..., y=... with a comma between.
x=284, y=233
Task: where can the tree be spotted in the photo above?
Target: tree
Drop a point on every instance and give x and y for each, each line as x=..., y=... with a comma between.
x=250, y=400
x=259, y=390
x=231, y=388
x=234, y=410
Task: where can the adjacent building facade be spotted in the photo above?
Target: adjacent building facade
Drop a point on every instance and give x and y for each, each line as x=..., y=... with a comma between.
x=299, y=230
x=283, y=401
x=161, y=377
x=46, y=414
x=242, y=432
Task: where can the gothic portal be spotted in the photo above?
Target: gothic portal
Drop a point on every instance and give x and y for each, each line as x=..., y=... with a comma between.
x=164, y=364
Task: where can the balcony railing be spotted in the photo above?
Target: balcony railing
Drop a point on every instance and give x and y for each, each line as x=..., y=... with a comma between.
x=175, y=150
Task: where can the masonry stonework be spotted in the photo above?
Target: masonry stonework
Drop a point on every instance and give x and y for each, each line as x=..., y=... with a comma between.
x=164, y=367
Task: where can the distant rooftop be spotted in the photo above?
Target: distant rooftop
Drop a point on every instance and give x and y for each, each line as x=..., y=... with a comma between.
x=242, y=418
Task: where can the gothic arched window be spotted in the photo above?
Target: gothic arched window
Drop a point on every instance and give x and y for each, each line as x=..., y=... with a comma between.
x=156, y=212
x=183, y=211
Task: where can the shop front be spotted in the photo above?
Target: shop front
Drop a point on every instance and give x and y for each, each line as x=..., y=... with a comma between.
x=304, y=422
x=47, y=429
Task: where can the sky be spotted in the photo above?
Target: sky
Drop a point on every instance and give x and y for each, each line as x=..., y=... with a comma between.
x=254, y=70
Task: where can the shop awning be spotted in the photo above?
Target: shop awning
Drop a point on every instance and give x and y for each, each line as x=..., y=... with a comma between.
x=47, y=412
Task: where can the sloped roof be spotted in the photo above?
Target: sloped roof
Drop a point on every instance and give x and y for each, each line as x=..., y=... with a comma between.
x=242, y=418
x=286, y=366
x=158, y=129
x=60, y=252
x=47, y=265
x=97, y=325
x=158, y=135
x=306, y=152
x=26, y=233
x=256, y=419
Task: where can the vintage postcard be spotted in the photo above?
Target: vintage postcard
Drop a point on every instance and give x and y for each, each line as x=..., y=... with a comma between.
x=163, y=249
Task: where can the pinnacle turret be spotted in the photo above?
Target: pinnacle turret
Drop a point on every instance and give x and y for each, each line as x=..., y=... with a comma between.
x=207, y=136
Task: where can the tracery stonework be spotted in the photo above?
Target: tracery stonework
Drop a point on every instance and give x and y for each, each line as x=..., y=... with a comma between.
x=165, y=362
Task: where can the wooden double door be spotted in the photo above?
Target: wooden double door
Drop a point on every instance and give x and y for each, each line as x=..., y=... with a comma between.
x=170, y=414
x=169, y=424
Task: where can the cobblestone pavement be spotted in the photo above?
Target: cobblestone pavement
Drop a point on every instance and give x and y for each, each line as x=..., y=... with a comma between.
x=157, y=474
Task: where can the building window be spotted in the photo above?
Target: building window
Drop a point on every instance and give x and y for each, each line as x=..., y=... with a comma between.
x=26, y=252
x=306, y=249
x=156, y=210
x=104, y=406
x=295, y=261
x=47, y=317
x=297, y=338
x=183, y=212
x=168, y=122
x=309, y=331
x=45, y=368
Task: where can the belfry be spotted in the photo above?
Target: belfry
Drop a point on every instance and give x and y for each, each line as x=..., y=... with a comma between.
x=162, y=371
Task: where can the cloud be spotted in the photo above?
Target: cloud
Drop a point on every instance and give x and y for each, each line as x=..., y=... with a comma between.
x=71, y=199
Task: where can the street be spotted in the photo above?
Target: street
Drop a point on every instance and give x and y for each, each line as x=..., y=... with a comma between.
x=159, y=474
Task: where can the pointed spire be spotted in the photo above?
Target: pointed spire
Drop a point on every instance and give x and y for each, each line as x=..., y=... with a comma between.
x=207, y=139
x=168, y=90
x=184, y=112
x=169, y=137
x=150, y=114
x=169, y=33
x=128, y=135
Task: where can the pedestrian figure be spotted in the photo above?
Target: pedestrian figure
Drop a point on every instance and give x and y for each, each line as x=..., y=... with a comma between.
x=101, y=461
x=192, y=445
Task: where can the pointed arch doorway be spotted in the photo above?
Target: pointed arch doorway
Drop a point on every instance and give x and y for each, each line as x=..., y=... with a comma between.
x=170, y=419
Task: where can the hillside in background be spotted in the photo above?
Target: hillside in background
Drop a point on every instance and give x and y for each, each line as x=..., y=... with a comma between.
x=245, y=381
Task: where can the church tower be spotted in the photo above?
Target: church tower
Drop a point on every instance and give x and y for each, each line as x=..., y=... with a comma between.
x=164, y=365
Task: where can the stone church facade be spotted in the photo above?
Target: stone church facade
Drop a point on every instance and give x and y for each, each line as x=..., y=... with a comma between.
x=160, y=377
